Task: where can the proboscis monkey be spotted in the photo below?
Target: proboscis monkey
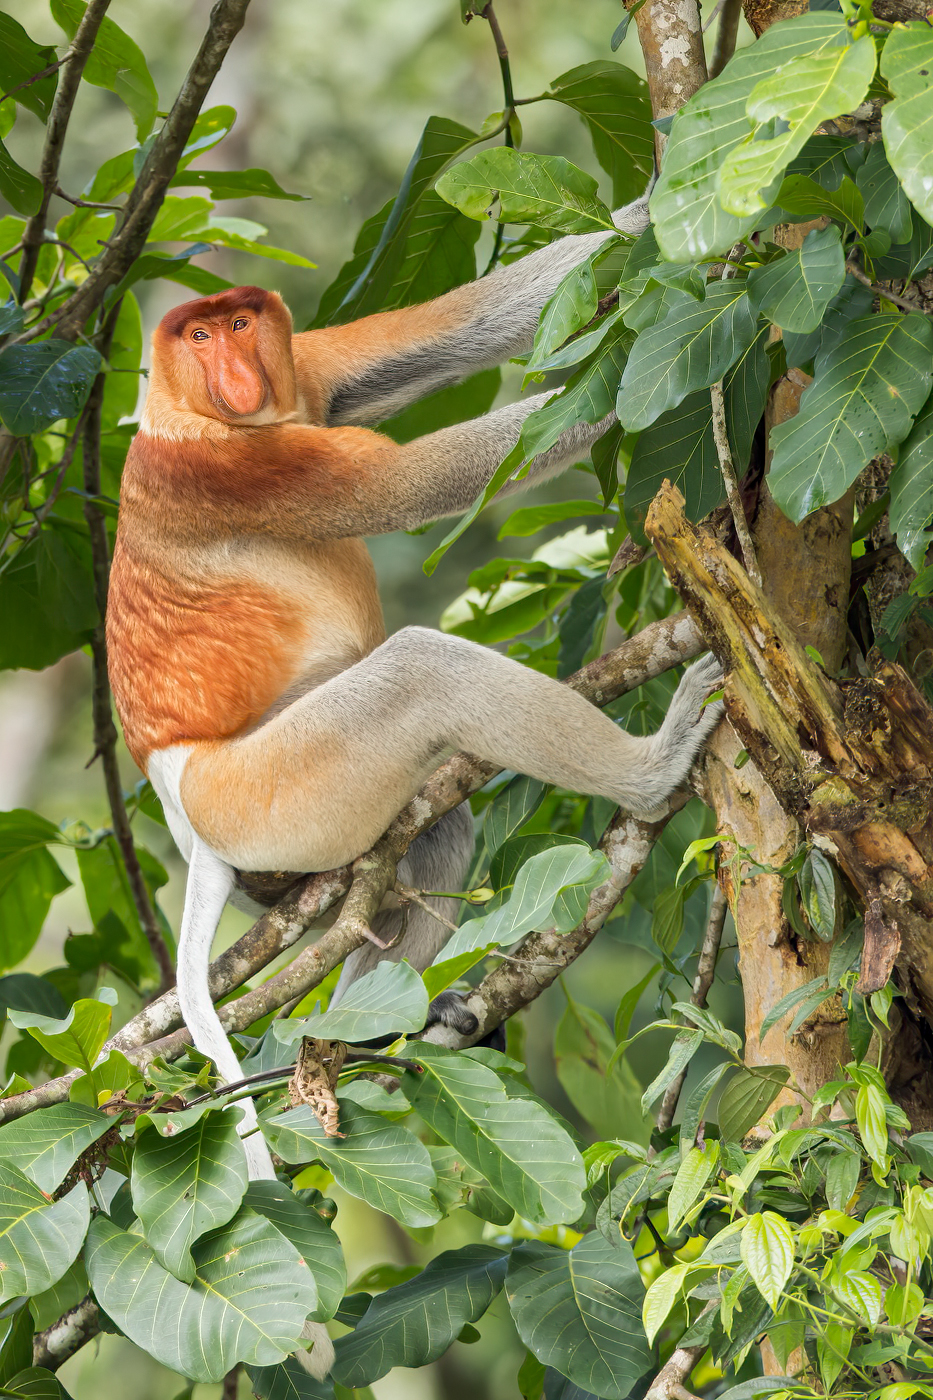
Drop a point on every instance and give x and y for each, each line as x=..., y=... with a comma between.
x=257, y=690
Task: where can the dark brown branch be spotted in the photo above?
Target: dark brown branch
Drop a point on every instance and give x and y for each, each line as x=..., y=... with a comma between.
x=726, y=35
x=105, y=732
x=152, y=1032
x=146, y=198
x=702, y=981
x=72, y=67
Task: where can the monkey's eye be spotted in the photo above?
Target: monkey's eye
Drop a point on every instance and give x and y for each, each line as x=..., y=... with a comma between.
x=200, y=335
x=240, y=324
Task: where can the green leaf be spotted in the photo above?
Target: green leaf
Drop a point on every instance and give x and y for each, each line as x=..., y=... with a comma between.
x=805, y=198
x=689, y=220
x=690, y=349
x=382, y=1163
x=817, y=883
x=45, y=1145
x=49, y=608
x=526, y=189
x=667, y=918
x=35, y=1383
x=911, y=508
x=525, y=1155
x=29, y=881
x=588, y=396
x=249, y=1300
x=289, y=1381
x=209, y=130
x=685, y=1045
x=188, y=1184
x=791, y=999
x=530, y=519
x=539, y=899
x=115, y=63
x=886, y=205
x=236, y=184
x=570, y=307
x=747, y=1097
x=510, y=809
x=20, y=58
x=786, y=108
x=907, y=122
x=579, y=1311
x=19, y=188
x=387, y=1001
x=866, y=390
x=23, y=990
x=794, y=290
x=605, y=1095
x=75, y=1040
x=292, y=1215
x=413, y=228
x=768, y=1254
x=42, y=383
x=842, y=1175
x=39, y=1238
x=65, y=1294
x=614, y=103
x=415, y=1323
x=695, y=1170
x=113, y=909
x=872, y=1124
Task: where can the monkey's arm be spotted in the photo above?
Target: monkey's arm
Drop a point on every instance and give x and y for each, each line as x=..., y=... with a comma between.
x=332, y=483
x=369, y=369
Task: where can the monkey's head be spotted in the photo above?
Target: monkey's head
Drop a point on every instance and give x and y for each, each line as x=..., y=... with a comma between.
x=227, y=356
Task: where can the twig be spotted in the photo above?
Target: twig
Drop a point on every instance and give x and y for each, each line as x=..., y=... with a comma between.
x=656, y=649
x=61, y=468
x=702, y=981
x=508, y=96
x=86, y=203
x=231, y=1384
x=726, y=35
x=35, y=78
x=72, y=66
x=894, y=297
x=731, y=482
x=105, y=732
x=146, y=197
x=405, y=893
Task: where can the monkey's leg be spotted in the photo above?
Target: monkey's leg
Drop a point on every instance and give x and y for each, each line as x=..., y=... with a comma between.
x=318, y=784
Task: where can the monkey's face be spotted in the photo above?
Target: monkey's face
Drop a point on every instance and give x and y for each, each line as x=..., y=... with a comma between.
x=229, y=357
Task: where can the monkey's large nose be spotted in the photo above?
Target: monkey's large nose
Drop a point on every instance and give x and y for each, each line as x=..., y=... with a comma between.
x=240, y=386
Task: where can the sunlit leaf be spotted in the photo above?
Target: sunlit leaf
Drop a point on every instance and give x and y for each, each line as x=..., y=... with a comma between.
x=907, y=122
x=45, y=1145
x=522, y=188
x=614, y=103
x=387, y=1001
x=115, y=63
x=794, y=291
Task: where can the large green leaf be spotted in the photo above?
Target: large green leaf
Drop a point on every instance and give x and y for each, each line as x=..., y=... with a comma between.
x=295, y=1218
x=20, y=59
x=550, y=890
x=886, y=205
x=387, y=1001
x=382, y=1163
x=78, y=1038
x=44, y=382
x=605, y=1095
x=34, y=1383
x=689, y=220
x=113, y=909
x=768, y=1253
x=47, y=603
x=866, y=390
x=579, y=1311
x=907, y=122
x=29, y=881
x=911, y=508
x=786, y=107
x=690, y=349
x=45, y=1145
x=115, y=63
x=248, y=1302
x=187, y=1184
x=289, y=1381
x=614, y=103
x=679, y=447
x=416, y=1322
x=526, y=189
x=39, y=1238
x=18, y=187
x=441, y=251
x=747, y=1097
x=236, y=184
x=524, y=1153
x=794, y=290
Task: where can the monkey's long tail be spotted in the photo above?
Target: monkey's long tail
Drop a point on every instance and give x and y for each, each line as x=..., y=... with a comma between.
x=210, y=881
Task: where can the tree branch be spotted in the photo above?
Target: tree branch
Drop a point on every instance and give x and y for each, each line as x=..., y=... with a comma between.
x=146, y=197
x=726, y=35
x=105, y=731
x=657, y=648
x=675, y=62
x=702, y=981
x=72, y=67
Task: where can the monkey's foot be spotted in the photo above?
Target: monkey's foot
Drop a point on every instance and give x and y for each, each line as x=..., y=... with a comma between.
x=449, y=1009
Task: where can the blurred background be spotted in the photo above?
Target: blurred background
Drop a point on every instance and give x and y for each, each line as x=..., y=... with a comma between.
x=332, y=99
